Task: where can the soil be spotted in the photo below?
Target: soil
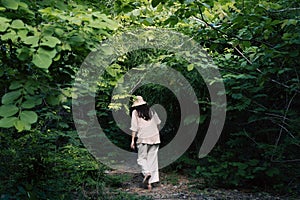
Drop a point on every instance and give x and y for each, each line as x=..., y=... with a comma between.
x=174, y=186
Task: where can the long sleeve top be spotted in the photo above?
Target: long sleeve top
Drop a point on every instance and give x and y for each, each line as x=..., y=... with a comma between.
x=147, y=131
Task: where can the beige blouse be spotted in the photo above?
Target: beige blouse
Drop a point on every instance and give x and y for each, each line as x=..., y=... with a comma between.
x=147, y=131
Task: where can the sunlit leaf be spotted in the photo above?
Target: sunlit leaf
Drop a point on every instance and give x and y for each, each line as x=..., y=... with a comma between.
x=17, y=24
x=42, y=60
x=11, y=4
x=32, y=40
x=190, y=67
x=3, y=25
x=19, y=125
x=50, y=41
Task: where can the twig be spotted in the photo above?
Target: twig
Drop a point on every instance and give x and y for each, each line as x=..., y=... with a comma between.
x=275, y=115
x=199, y=20
x=284, y=10
x=282, y=127
x=287, y=131
x=260, y=105
x=243, y=55
x=250, y=137
x=283, y=85
x=283, y=161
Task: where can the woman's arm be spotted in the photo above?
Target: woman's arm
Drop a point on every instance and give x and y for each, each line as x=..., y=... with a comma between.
x=132, y=139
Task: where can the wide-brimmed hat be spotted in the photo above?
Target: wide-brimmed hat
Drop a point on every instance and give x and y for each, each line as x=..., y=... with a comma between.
x=139, y=101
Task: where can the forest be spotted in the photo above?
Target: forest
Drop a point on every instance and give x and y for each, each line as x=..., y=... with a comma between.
x=68, y=65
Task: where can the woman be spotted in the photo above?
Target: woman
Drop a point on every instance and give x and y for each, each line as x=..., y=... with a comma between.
x=144, y=126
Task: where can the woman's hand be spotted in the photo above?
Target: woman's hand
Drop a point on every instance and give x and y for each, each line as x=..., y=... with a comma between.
x=132, y=140
x=132, y=145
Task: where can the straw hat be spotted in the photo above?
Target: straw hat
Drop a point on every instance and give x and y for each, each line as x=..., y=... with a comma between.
x=139, y=101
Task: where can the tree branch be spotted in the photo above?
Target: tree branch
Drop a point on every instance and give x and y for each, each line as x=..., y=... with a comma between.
x=282, y=127
x=284, y=10
x=284, y=161
x=202, y=21
x=243, y=55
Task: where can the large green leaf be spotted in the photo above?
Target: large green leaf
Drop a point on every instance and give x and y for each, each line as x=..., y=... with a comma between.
x=17, y=24
x=32, y=40
x=28, y=117
x=42, y=60
x=24, y=53
x=11, y=4
x=21, y=125
x=111, y=71
x=22, y=33
x=8, y=110
x=50, y=41
x=3, y=26
x=53, y=100
x=10, y=35
x=8, y=122
x=59, y=31
x=9, y=97
x=23, y=5
x=103, y=22
x=98, y=24
x=51, y=52
x=15, y=85
x=4, y=19
x=28, y=104
x=36, y=99
x=76, y=40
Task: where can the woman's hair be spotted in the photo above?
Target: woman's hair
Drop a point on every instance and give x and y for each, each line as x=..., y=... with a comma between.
x=143, y=111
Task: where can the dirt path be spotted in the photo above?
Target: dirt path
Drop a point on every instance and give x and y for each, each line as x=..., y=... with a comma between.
x=173, y=186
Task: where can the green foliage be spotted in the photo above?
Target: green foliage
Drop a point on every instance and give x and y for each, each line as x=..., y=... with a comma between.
x=48, y=164
x=41, y=49
x=172, y=178
x=31, y=49
x=262, y=84
x=227, y=172
x=116, y=180
x=255, y=45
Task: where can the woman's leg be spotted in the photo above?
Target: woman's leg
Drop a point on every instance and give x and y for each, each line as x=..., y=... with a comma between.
x=142, y=158
x=152, y=162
